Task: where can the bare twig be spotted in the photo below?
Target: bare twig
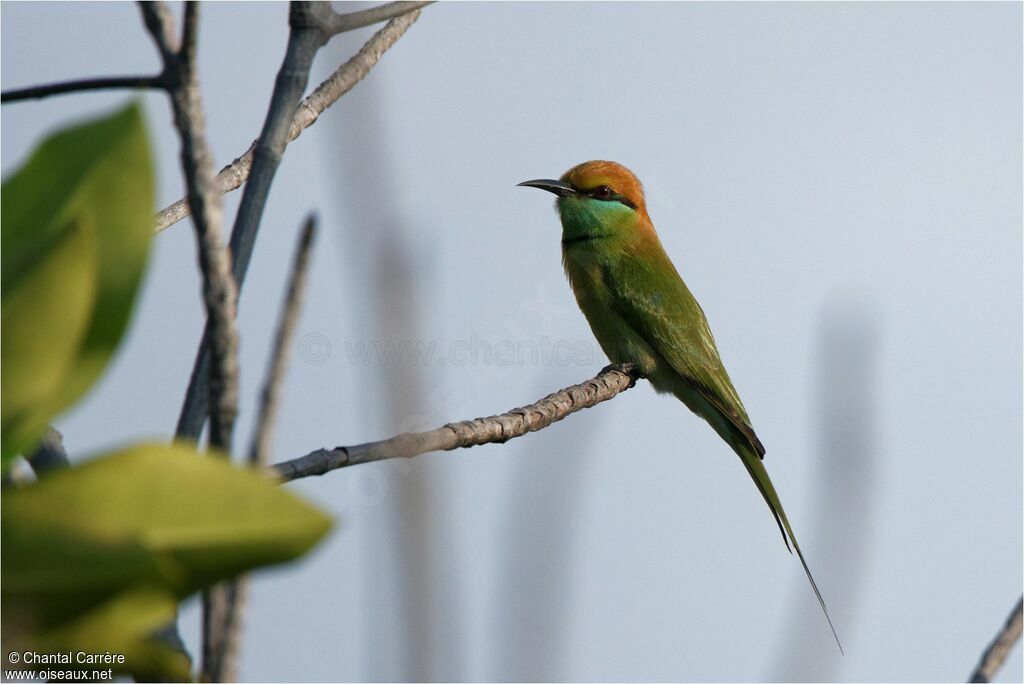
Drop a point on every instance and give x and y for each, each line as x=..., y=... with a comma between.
x=494, y=429
x=213, y=381
x=49, y=456
x=82, y=85
x=282, y=343
x=220, y=296
x=219, y=289
x=237, y=591
x=341, y=23
x=995, y=655
x=350, y=73
x=298, y=57
x=232, y=176
x=160, y=25
x=307, y=35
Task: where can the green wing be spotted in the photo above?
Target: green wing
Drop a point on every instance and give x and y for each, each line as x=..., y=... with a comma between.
x=647, y=291
x=649, y=294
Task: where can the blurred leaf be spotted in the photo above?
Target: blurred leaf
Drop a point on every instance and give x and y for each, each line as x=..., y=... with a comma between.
x=136, y=532
x=73, y=247
x=124, y=625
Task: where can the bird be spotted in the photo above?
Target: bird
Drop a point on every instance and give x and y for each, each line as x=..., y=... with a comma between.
x=643, y=314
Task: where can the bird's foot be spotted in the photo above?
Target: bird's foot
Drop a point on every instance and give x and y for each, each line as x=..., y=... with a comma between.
x=630, y=369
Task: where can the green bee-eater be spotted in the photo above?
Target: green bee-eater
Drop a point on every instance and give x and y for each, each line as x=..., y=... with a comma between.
x=642, y=312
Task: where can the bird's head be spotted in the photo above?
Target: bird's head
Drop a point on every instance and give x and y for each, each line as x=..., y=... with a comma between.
x=597, y=199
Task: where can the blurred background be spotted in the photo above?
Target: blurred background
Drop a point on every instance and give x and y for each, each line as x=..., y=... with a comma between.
x=840, y=185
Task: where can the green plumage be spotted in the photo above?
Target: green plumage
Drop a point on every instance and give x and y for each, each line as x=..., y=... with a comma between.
x=641, y=311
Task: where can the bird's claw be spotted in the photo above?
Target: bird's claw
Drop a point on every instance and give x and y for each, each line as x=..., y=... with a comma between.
x=630, y=369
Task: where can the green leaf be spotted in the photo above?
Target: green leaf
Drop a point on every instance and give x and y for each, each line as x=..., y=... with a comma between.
x=123, y=625
x=76, y=226
x=134, y=533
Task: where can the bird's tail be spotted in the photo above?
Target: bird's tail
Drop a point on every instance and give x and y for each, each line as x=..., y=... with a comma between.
x=757, y=471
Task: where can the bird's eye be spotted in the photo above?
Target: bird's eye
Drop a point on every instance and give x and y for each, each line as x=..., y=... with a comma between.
x=602, y=192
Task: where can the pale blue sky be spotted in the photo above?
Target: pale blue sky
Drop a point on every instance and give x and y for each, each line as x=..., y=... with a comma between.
x=839, y=184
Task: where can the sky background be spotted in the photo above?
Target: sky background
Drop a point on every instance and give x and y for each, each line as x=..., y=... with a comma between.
x=840, y=186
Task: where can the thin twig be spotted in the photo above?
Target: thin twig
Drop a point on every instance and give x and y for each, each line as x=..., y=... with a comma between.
x=298, y=58
x=307, y=35
x=218, y=288
x=305, y=39
x=81, y=85
x=341, y=23
x=494, y=429
x=309, y=30
x=232, y=176
x=220, y=296
x=160, y=25
x=259, y=447
x=996, y=653
x=49, y=456
x=237, y=591
x=350, y=73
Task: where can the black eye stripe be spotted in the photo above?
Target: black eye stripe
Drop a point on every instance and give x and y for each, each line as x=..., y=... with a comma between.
x=621, y=199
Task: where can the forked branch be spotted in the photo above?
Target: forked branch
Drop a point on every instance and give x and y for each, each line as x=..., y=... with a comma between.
x=344, y=78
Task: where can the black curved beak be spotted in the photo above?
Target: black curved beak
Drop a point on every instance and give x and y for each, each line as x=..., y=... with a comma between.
x=558, y=187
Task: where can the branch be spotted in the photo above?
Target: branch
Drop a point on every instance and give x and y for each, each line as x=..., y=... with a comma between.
x=995, y=655
x=85, y=84
x=236, y=592
x=232, y=176
x=304, y=38
x=340, y=23
x=282, y=343
x=610, y=382
x=351, y=72
x=219, y=291
x=160, y=25
x=218, y=288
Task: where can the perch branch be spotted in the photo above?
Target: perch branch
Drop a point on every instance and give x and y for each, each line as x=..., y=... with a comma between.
x=232, y=176
x=995, y=655
x=610, y=382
